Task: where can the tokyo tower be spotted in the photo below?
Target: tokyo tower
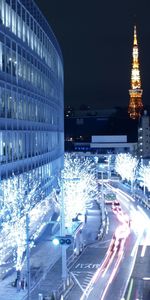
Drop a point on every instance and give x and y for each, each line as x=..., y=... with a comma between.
x=135, y=104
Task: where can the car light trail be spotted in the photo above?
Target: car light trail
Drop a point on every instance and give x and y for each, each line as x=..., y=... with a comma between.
x=109, y=263
x=116, y=247
x=112, y=275
x=99, y=271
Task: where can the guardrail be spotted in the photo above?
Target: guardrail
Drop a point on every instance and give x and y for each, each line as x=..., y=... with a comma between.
x=138, y=195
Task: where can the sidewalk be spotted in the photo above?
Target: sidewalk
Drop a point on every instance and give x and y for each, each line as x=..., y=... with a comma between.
x=46, y=263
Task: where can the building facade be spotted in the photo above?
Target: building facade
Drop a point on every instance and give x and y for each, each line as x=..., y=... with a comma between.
x=107, y=144
x=31, y=93
x=112, y=144
x=144, y=136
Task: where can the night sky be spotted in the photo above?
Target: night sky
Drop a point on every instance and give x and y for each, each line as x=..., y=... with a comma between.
x=96, y=41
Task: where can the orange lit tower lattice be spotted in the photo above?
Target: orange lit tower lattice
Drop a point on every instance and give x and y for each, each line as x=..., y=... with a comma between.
x=135, y=104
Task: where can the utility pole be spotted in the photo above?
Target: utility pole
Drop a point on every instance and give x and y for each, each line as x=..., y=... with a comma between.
x=109, y=166
x=100, y=168
x=102, y=190
x=63, y=232
x=28, y=255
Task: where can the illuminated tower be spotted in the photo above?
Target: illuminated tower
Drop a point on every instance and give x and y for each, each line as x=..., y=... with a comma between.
x=135, y=104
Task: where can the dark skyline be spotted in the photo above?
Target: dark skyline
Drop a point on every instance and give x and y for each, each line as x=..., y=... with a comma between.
x=96, y=41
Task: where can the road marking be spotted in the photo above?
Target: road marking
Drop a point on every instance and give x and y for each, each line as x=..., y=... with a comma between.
x=77, y=281
x=87, y=266
x=82, y=272
x=89, y=275
x=86, y=281
x=130, y=289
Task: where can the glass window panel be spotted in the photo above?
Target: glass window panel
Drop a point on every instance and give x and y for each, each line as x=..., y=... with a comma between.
x=14, y=19
x=1, y=56
x=18, y=8
x=24, y=31
x=14, y=64
x=8, y=14
x=20, y=66
x=2, y=12
x=1, y=146
x=8, y=61
x=19, y=25
x=14, y=5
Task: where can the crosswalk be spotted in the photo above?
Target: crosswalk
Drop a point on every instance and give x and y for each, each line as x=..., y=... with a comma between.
x=79, y=275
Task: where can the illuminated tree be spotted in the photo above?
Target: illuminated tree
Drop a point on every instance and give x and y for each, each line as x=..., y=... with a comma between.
x=125, y=166
x=79, y=186
x=144, y=173
x=20, y=196
x=18, y=199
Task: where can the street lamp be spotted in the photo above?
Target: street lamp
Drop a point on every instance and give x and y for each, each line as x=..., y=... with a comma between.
x=101, y=169
x=63, y=232
x=63, y=228
x=28, y=256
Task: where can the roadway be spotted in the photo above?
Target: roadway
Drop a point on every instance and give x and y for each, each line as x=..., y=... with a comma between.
x=139, y=284
x=90, y=261
x=103, y=271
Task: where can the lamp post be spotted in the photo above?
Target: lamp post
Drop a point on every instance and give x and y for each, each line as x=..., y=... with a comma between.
x=109, y=167
x=63, y=228
x=103, y=202
x=63, y=233
x=28, y=256
x=144, y=187
x=101, y=169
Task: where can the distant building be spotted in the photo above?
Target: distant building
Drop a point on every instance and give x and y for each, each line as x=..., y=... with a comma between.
x=81, y=125
x=144, y=136
x=112, y=144
x=105, y=144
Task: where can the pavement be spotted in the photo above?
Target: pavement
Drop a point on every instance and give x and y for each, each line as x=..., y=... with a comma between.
x=139, y=284
x=45, y=262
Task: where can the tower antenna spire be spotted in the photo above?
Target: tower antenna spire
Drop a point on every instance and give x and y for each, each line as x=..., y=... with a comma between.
x=135, y=104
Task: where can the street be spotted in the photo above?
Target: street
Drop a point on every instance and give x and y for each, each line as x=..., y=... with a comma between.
x=104, y=267
x=104, y=274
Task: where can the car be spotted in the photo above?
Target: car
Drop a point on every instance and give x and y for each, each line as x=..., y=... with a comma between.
x=116, y=207
x=110, y=196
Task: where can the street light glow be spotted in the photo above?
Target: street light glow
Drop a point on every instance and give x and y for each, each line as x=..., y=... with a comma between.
x=56, y=241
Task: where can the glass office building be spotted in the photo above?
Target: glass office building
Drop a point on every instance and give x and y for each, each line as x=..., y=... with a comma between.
x=31, y=93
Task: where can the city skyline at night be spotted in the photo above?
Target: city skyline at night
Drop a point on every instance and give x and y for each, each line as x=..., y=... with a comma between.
x=74, y=183
x=96, y=41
